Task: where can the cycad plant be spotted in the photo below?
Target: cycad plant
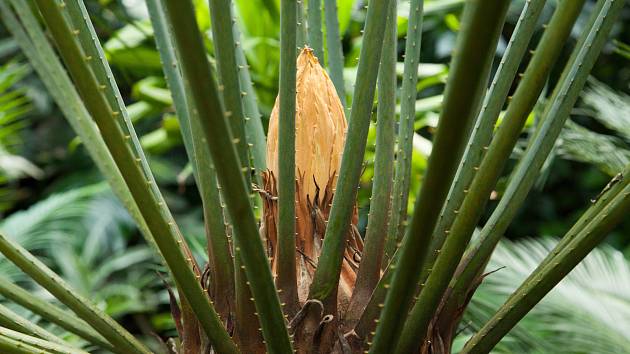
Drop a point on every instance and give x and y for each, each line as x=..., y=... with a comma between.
x=295, y=275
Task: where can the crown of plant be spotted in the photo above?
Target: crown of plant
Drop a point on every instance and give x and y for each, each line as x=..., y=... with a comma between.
x=302, y=278
x=320, y=130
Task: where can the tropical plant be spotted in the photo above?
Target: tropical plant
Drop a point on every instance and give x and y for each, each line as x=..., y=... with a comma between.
x=585, y=313
x=14, y=104
x=609, y=152
x=302, y=278
x=83, y=234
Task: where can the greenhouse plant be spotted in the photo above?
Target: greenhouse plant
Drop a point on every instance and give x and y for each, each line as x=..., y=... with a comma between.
x=288, y=266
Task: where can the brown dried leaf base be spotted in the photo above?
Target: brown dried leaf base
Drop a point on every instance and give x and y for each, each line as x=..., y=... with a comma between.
x=315, y=330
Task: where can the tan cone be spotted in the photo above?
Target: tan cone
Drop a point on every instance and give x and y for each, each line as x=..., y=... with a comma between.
x=320, y=130
x=320, y=126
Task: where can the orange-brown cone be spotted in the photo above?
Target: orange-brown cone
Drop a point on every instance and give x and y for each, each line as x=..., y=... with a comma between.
x=320, y=130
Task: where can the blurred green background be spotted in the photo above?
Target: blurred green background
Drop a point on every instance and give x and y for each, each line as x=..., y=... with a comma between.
x=53, y=200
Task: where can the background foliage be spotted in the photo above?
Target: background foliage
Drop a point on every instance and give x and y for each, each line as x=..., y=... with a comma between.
x=53, y=202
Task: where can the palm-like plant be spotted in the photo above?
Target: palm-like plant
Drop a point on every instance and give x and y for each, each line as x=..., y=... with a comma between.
x=404, y=287
x=585, y=313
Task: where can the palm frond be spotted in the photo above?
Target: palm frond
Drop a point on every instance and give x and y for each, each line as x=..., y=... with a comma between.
x=14, y=104
x=588, y=312
x=35, y=228
x=83, y=233
x=611, y=107
x=609, y=153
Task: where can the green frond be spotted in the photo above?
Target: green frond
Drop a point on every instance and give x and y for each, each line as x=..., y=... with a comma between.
x=287, y=277
x=402, y=176
x=481, y=27
x=196, y=71
x=335, y=52
x=380, y=202
x=607, y=152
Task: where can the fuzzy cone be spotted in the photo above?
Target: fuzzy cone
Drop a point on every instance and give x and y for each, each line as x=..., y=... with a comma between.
x=320, y=131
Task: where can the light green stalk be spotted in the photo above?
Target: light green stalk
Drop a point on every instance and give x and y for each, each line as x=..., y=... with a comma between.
x=370, y=267
x=122, y=340
x=524, y=176
x=335, y=52
x=40, y=344
x=254, y=131
x=287, y=277
x=51, y=313
x=404, y=151
x=219, y=254
x=196, y=70
x=484, y=127
x=229, y=86
x=301, y=26
x=12, y=346
x=369, y=317
x=223, y=22
x=326, y=276
x=405, y=138
x=315, y=34
x=12, y=320
x=135, y=172
x=481, y=27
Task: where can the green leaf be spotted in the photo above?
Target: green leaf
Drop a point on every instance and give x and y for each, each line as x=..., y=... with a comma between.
x=335, y=52
x=370, y=266
x=488, y=172
x=481, y=27
x=196, y=71
x=408, y=108
x=104, y=103
x=326, y=278
x=287, y=277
